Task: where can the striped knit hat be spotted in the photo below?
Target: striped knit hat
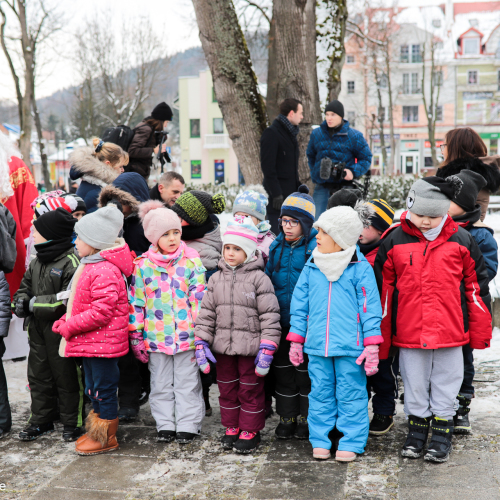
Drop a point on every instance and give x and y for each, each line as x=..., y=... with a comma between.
x=384, y=214
x=195, y=207
x=242, y=232
x=51, y=201
x=300, y=206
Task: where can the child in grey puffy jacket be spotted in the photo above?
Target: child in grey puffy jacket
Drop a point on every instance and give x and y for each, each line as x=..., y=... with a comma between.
x=239, y=320
x=5, y=317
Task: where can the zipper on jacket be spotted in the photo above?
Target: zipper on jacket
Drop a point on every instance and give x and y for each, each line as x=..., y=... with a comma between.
x=357, y=330
x=232, y=306
x=411, y=259
x=328, y=320
x=289, y=270
x=426, y=248
x=364, y=303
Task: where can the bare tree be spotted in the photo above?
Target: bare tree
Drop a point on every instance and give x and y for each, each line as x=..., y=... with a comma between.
x=430, y=97
x=30, y=31
x=119, y=74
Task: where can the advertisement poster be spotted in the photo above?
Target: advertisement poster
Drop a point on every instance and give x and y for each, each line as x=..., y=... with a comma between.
x=219, y=171
x=195, y=169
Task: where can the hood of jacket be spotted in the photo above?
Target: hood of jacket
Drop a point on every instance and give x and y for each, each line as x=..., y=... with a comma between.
x=83, y=164
x=490, y=172
x=129, y=188
x=209, y=248
x=468, y=219
x=120, y=256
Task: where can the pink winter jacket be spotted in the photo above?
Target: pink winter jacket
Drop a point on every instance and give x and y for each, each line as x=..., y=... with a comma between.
x=97, y=311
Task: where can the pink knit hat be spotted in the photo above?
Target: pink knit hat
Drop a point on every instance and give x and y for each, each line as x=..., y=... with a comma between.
x=157, y=220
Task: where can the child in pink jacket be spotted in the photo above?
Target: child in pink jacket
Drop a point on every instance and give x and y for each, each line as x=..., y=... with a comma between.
x=95, y=326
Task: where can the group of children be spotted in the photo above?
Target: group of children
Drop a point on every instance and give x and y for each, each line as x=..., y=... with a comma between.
x=319, y=317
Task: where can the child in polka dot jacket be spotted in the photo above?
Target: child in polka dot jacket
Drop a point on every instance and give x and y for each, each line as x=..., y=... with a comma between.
x=168, y=284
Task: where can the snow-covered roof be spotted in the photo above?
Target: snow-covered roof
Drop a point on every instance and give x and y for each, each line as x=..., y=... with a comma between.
x=486, y=23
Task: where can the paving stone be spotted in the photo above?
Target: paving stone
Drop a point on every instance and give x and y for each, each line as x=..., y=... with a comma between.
x=80, y=494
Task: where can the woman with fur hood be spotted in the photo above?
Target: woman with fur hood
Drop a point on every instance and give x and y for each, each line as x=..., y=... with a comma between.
x=463, y=148
x=97, y=166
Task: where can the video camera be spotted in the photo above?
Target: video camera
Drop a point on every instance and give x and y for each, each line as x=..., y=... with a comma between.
x=163, y=157
x=328, y=170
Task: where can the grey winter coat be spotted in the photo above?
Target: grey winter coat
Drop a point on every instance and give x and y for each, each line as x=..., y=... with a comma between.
x=239, y=310
x=5, y=311
x=8, y=250
x=209, y=247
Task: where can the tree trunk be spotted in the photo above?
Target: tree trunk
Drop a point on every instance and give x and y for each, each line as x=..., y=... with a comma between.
x=43, y=155
x=392, y=166
x=295, y=46
x=235, y=82
x=272, y=75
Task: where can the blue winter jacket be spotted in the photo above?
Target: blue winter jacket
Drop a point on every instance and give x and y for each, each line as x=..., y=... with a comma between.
x=337, y=318
x=488, y=246
x=346, y=145
x=292, y=262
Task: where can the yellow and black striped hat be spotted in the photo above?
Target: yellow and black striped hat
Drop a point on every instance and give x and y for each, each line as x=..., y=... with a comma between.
x=384, y=214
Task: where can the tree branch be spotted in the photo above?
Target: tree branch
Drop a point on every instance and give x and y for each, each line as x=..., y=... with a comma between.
x=356, y=30
x=259, y=8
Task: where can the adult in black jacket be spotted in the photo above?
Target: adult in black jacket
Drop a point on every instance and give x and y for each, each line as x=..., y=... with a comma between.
x=145, y=142
x=279, y=157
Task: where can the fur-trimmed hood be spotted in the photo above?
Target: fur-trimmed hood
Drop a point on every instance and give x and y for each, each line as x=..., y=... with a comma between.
x=112, y=193
x=84, y=165
x=129, y=188
x=490, y=172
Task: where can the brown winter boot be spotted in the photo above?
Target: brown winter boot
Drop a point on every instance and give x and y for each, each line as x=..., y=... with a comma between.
x=88, y=424
x=101, y=438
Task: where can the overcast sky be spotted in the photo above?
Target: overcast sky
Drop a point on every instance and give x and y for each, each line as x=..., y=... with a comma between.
x=174, y=19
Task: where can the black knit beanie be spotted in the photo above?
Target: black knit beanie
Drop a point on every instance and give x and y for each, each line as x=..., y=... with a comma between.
x=336, y=106
x=194, y=207
x=472, y=183
x=55, y=225
x=345, y=197
x=162, y=112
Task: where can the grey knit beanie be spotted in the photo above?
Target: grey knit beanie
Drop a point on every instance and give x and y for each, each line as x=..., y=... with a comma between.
x=100, y=228
x=431, y=196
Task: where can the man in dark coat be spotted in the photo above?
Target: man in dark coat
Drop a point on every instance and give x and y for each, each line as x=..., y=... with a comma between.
x=279, y=157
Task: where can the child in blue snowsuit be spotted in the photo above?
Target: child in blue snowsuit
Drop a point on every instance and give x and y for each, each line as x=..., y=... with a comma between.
x=335, y=319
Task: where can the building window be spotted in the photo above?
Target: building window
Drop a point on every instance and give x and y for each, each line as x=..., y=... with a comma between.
x=351, y=118
x=472, y=77
x=436, y=23
x=218, y=126
x=416, y=55
x=404, y=58
x=383, y=81
x=350, y=87
x=350, y=59
x=493, y=147
x=410, y=83
x=214, y=99
x=437, y=78
x=498, y=80
x=439, y=113
x=471, y=46
x=410, y=114
x=194, y=128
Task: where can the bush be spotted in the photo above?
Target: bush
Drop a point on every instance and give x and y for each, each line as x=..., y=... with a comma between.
x=229, y=192
x=392, y=189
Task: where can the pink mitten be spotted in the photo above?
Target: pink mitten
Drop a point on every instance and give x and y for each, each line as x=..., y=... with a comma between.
x=370, y=357
x=61, y=327
x=296, y=353
x=139, y=347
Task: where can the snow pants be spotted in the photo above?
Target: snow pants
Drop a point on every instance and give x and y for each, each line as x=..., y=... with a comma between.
x=384, y=386
x=176, y=396
x=338, y=398
x=242, y=395
x=432, y=379
x=5, y=413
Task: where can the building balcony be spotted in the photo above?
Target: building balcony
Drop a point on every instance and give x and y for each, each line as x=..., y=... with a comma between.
x=216, y=141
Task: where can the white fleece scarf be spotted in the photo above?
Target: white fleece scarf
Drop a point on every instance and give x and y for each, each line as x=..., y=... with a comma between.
x=332, y=265
x=432, y=234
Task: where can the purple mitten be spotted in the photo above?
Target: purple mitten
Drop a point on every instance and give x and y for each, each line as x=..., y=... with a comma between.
x=138, y=347
x=202, y=353
x=264, y=358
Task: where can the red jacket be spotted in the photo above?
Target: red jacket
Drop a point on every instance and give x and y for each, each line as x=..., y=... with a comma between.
x=98, y=307
x=434, y=293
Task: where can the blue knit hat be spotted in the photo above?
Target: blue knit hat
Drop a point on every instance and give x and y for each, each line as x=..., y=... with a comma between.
x=253, y=201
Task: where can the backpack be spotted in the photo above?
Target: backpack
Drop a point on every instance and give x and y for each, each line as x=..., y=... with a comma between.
x=121, y=135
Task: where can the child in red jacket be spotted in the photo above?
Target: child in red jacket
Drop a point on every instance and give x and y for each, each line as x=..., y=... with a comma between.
x=435, y=299
x=95, y=326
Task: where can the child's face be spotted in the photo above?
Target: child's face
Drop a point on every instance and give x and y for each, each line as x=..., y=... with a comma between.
x=82, y=248
x=291, y=227
x=170, y=241
x=78, y=214
x=454, y=210
x=127, y=210
x=234, y=255
x=326, y=244
x=424, y=223
x=254, y=219
x=370, y=235
x=37, y=237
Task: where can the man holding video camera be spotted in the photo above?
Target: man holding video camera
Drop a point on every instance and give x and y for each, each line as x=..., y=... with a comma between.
x=337, y=155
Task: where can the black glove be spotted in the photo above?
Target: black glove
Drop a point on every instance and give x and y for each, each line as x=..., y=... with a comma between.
x=277, y=202
x=21, y=308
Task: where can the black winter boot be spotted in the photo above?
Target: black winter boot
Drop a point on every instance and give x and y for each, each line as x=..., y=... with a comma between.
x=165, y=436
x=302, y=429
x=461, y=419
x=71, y=433
x=127, y=415
x=418, y=430
x=381, y=424
x=230, y=437
x=247, y=442
x=440, y=446
x=34, y=431
x=185, y=437
x=286, y=428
